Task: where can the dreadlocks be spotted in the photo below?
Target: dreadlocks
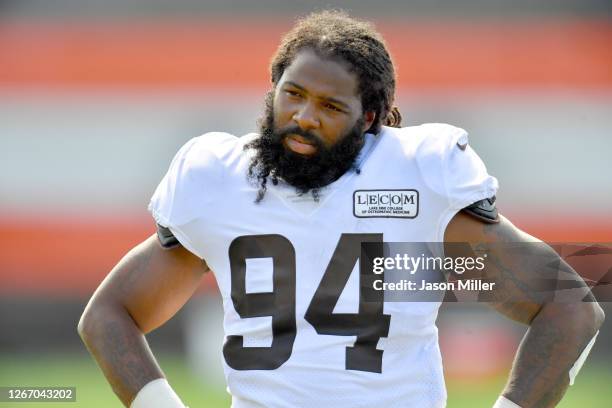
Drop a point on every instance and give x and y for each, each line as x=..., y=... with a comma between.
x=335, y=34
x=360, y=48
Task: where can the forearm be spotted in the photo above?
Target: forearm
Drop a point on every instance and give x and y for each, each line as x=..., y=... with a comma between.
x=120, y=349
x=557, y=336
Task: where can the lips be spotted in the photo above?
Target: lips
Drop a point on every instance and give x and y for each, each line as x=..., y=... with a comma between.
x=298, y=144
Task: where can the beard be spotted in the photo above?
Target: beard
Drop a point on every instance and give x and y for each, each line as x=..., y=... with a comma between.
x=307, y=173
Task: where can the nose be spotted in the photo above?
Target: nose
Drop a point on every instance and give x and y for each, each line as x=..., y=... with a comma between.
x=306, y=117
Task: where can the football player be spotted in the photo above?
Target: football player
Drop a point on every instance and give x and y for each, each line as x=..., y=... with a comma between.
x=279, y=217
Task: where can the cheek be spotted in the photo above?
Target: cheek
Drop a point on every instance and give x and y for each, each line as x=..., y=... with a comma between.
x=333, y=132
x=341, y=125
x=282, y=111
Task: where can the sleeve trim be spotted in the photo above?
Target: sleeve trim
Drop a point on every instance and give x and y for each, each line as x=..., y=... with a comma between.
x=457, y=206
x=177, y=232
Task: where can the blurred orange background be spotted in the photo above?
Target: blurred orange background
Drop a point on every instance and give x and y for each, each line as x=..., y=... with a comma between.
x=96, y=99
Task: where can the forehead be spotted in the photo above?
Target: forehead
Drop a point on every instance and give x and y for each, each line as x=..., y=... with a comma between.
x=321, y=76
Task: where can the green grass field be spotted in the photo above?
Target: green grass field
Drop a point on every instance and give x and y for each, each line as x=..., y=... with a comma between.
x=593, y=388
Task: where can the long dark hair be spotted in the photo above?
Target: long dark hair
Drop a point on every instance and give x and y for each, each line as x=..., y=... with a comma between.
x=335, y=34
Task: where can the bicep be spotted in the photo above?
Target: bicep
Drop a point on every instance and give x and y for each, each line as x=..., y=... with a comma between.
x=524, y=269
x=153, y=283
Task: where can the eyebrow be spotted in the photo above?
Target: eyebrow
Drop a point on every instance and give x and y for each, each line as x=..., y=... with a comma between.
x=327, y=98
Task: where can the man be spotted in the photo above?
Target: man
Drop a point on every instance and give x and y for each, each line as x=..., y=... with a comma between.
x=280, y=218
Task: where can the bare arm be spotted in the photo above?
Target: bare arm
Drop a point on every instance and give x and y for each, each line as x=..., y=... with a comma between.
x=558, y=332
x=145, y=289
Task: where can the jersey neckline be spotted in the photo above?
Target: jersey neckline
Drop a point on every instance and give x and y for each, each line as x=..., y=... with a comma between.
x=304, y=205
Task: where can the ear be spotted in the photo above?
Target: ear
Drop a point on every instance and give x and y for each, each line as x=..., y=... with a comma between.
x=368, y=119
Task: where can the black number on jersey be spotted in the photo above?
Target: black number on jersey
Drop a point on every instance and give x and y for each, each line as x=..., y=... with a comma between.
x=280, y=303
x=369, y=325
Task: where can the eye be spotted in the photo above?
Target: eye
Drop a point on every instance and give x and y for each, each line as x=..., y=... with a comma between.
x=331, y=107
x=292, y=93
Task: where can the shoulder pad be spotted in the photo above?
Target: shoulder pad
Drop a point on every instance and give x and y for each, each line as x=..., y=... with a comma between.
x=166, y=237
x=484, y=210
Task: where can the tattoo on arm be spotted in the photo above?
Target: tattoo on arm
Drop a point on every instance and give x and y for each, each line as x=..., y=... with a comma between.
x=116, y=342
x=533, y=382
x=528, y=275
x=130, y=361
x=525, y=271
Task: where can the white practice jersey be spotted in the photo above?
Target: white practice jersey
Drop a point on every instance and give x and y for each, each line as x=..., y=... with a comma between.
x=298, y=331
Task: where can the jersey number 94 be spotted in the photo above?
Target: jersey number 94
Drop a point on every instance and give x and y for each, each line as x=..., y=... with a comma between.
x=369, y=324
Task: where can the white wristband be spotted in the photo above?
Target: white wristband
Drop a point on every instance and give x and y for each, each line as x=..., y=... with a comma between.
x=157, y=394
x=503, y=402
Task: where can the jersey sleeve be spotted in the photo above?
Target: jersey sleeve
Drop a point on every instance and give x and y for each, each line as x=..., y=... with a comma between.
x=189, y=186
x=453, y=170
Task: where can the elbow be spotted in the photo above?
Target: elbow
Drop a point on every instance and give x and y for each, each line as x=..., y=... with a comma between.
x=580, y=319
x=84, y=325
x=87, y=322
x=590, y=317
x=96, y=316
